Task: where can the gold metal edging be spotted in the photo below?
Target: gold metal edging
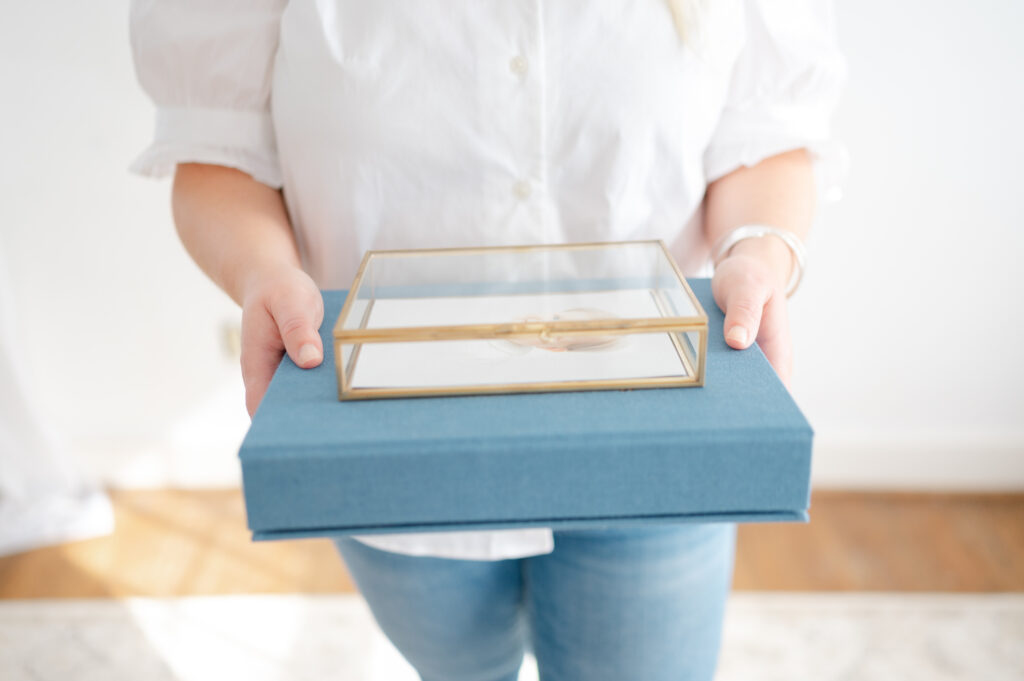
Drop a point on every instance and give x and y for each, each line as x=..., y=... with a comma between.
x=702, y=356
x=512, y=388
x=350, y=366
x=516, y=330
x=351, y=296
x=684, y=356
x=682, y=279
x=520, y=248
x=702, y=351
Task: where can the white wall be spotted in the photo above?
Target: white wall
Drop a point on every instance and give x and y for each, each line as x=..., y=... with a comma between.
x=909, y=331
x=121, y=330
x=909, y=327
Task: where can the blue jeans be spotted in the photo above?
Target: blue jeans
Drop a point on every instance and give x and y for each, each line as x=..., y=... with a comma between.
x=618, y=604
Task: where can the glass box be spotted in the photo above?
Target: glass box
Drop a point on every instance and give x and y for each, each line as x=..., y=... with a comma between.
x=519, y=319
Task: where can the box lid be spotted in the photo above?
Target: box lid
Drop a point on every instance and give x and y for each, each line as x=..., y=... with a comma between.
x=737, y=449
x=481, y=272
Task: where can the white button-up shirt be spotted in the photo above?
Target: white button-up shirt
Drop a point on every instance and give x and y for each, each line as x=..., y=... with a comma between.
x=426, y=123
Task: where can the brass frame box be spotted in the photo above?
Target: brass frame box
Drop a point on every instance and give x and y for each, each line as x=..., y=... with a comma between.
x=538, y=318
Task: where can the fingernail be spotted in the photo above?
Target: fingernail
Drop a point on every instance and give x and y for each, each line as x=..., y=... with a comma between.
x=308, y=353
x=737, y=334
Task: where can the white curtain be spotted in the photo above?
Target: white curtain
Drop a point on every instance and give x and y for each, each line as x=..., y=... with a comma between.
x=44, y=497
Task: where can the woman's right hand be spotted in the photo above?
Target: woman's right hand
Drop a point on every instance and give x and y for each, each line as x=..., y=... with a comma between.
x=281, y=312
x=238, y=232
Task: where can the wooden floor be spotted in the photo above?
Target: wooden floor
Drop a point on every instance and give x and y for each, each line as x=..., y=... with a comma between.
x=173, y=543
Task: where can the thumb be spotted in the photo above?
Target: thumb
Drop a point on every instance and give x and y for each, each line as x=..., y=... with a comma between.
x=744, y=306
x=298, y=320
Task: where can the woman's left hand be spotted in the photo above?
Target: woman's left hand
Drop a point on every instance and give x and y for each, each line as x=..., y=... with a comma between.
x=749, y=285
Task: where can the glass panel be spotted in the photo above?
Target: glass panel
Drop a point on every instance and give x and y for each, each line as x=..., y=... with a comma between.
x=576, y=306
x=441, y=364
x=578, y=283
x=358, y=313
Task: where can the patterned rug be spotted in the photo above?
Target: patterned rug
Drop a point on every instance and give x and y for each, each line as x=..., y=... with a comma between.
x=768, y=637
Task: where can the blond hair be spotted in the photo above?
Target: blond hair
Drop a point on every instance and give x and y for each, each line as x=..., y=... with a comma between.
x=686, y=15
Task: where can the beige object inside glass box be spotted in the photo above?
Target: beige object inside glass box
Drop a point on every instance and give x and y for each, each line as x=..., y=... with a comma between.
x=519, y=319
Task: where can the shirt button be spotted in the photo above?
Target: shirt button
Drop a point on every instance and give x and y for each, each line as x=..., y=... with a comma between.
x=518, y=65
x=522, y=189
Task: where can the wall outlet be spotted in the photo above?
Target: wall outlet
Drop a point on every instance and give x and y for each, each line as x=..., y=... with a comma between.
x=231, y=338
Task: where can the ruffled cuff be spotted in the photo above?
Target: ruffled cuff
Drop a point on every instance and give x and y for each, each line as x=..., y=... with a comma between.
x=746, y=139
x=238, y=139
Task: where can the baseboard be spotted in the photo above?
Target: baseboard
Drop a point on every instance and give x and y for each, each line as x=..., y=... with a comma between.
x=920, y=463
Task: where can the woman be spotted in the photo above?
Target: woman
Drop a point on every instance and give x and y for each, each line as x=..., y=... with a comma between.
x=305, y=133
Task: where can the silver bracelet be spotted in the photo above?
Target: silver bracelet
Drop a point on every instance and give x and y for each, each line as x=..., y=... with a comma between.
x=796, y=247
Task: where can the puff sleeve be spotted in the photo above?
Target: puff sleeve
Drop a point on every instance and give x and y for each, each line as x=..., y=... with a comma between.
x=782, y=92
x=208, y=65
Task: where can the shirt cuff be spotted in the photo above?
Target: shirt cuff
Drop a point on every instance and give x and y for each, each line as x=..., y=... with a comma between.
x=237, y=139
x=746, y=139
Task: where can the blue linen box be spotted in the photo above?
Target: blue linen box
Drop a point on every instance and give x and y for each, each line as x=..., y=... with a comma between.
x=736, y=450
